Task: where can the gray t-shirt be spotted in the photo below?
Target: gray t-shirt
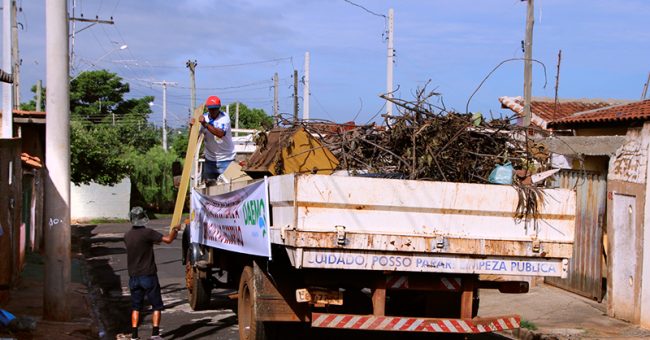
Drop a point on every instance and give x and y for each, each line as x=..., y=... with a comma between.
x=218, y=149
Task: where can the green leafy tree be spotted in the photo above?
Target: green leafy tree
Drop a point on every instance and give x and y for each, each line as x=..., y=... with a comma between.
x=179, y=138
x=250, y=118
x=96, y=154
x=105, y=127
x=31, y=105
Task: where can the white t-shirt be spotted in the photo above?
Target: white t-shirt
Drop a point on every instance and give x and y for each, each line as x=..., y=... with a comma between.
x=218, y=149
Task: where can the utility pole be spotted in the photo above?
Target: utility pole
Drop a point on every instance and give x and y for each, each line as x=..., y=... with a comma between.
x=74, y=20
x=15, y=54
x=276, y=117
x=389, y=63
x=164, y=122
x=7, y=88
x=56, y=306
x=39, y=96
x=557, y=82
x=528, y=62
x=192, y=66
x=237, y=118
x=295, y=96
x=72, y=35
x=645, y=88
x=305, y=91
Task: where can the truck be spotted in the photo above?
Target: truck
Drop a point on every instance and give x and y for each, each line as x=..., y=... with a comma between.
x=363, y=252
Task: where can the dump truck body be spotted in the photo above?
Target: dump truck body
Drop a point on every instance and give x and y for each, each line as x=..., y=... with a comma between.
x=386, y=254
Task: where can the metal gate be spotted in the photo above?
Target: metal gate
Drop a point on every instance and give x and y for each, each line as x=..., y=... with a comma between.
x=585, y=267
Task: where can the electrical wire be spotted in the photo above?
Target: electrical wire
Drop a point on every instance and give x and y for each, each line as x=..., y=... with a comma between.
x=365, y=9
x=276, y=60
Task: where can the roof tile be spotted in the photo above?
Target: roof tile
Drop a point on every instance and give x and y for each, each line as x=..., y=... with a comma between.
x=639, y=110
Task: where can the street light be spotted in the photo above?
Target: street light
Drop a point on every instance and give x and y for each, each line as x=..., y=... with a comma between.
x=92, y=64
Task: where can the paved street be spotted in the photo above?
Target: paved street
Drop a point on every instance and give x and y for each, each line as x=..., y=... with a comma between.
x=103, y=248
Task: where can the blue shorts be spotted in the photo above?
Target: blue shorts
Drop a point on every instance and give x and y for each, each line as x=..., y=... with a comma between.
x=212, y=169
x=145, y=285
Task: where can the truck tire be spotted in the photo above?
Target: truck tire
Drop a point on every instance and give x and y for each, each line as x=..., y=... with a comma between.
x=249, y=327
x=198, y=289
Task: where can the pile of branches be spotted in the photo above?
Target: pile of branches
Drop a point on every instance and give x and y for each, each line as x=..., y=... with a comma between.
x=427, y=142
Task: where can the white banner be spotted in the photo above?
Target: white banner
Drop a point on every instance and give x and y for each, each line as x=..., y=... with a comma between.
x=235, y=221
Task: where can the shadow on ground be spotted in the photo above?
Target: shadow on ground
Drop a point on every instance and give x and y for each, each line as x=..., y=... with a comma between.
x=105, y=286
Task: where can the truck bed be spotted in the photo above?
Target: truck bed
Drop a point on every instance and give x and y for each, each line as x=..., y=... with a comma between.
x=404, y=225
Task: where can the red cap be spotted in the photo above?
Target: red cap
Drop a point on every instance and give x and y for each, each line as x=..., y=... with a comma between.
x=213, y=102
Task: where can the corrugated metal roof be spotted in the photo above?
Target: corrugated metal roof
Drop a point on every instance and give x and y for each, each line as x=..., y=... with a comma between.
x=639, y=110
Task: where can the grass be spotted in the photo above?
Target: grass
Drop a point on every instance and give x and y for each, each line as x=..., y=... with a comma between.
x=528, y=325
x=107, y=220
x=152, y=216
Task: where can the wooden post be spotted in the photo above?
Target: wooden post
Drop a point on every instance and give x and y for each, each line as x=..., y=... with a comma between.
x=187, y=169
x=379, y=298
x=276, y=113
x=295, y=96
x=466, y=299
x=192, y=66
x=557, y=83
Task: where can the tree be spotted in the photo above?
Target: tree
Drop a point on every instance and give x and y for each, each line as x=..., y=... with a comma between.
x=31, y=105
x=96, y=154
x=250, y=118
x=105, y=128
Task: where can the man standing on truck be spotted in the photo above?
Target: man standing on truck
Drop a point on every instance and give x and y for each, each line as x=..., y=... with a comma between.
x=143, y=273
x=219, y=149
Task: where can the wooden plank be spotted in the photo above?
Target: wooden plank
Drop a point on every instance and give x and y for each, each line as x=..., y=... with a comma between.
x=187, y=169
x=466, y=299
x=379, y=298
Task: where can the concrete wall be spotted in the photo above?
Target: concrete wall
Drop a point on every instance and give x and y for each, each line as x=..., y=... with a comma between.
x=100, y=201
x=626, y=206
x=645, y=258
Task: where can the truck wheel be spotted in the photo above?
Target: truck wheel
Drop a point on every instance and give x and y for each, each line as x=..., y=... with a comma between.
x=198, y=289
x=249, y=327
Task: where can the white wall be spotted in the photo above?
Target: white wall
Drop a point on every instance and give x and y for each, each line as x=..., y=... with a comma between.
x=100, y=201
x=645, y=264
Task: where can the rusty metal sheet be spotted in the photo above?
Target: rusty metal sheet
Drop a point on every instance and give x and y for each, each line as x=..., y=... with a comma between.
x=585, y=266
x=290, y=150
x=420, y=243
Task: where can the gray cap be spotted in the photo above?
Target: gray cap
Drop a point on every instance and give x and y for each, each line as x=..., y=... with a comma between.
x=138, y=217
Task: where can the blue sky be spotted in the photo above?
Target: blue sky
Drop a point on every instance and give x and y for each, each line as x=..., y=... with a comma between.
x=452, y=43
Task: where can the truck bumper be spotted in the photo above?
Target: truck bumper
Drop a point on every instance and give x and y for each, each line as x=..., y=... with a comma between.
x=412, y=324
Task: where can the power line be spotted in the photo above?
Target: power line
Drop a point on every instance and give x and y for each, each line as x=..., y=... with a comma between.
x=150, y=65
x=365, y=9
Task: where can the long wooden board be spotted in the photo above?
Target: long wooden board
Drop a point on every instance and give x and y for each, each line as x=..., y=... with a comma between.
x=192, y=145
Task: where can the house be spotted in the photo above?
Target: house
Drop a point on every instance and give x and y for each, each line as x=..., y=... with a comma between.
x=22, y=200
x=607, y=142
x=627, y=220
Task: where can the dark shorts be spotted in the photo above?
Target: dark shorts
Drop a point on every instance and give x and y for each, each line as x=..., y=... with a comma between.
x=212, y=169
x=146, y=285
